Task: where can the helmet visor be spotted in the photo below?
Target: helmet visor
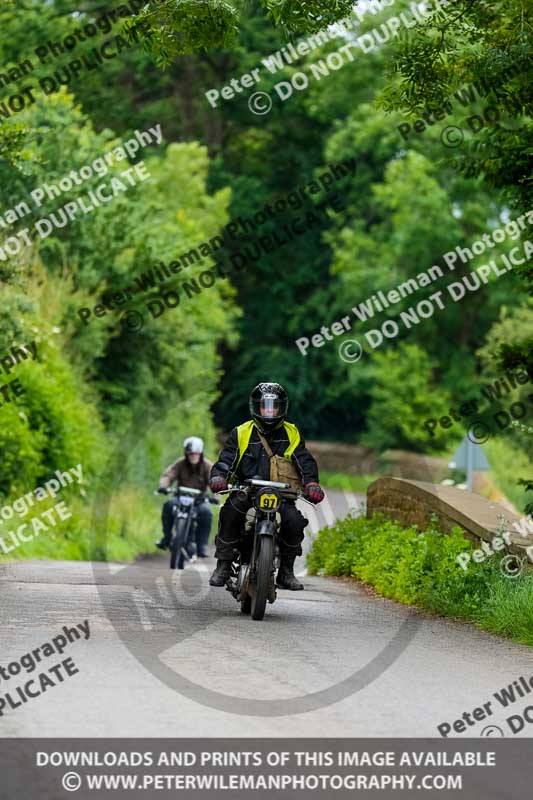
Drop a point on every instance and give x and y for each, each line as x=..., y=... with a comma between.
x=269, y=407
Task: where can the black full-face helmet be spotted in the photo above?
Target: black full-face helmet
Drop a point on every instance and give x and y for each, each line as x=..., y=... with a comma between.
x=269, y=403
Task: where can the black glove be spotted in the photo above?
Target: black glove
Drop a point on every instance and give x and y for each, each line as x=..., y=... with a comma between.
x=162, y=490
x=218, y=483
x=314, y=492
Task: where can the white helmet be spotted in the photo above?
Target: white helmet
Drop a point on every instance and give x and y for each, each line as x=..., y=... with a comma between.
x=193, y=444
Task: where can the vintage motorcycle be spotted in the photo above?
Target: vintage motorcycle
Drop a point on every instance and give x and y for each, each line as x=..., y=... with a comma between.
x=252, y=580
x=185, y=512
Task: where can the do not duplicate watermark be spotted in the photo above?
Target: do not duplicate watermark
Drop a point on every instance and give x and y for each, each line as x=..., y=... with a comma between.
x=38, y=684
x=21, y=506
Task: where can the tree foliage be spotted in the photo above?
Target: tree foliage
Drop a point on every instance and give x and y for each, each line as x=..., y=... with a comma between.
x=170, y=28
x=490, y=45
x=484, y=44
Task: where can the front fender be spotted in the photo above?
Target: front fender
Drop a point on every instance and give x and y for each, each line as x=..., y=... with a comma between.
x=266, y=527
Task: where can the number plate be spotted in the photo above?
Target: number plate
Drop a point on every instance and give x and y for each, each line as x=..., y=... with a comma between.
x=268, y=502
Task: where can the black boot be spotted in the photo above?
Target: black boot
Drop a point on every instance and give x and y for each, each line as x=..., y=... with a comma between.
x=221, y=573
x=286, y=578
x=163, y=543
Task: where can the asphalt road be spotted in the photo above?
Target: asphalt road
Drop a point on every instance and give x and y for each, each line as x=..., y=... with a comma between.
x=170, y=656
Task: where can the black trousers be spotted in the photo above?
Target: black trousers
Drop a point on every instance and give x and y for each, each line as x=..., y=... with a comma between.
x=231, y=528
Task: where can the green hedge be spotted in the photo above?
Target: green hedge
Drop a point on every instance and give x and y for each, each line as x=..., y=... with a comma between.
x=420, y=568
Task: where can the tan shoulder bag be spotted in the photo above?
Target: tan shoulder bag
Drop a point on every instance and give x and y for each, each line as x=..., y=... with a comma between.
x=281, y=469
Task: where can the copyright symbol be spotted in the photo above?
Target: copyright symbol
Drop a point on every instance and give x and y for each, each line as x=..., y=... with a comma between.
x=492, y=730
x=71, y=781
x=479, y=432
x=511, y=566
x=260, y=103
x=348, y=354
x=452, y=136
x=132, y=321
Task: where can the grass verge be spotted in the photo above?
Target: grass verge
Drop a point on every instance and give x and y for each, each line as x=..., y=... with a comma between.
x=420, y=568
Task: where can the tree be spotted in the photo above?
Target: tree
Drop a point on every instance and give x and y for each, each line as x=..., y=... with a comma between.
x=403, y=397
x=487, y=45
x=115, y=371
x=178, y=27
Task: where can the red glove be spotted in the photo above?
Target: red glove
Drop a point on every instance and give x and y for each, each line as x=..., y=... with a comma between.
x=314, y=493
x=218, y=483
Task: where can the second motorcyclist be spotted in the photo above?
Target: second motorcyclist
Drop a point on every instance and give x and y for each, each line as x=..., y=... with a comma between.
x=192, y=471
x=245, y=456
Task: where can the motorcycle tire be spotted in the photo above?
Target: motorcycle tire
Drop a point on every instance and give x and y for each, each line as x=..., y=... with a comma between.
x=263, y=570
x=178, y=542
x=246, y=605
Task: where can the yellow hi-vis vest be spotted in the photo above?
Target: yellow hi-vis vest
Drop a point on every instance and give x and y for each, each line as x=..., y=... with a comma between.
x=244, y=433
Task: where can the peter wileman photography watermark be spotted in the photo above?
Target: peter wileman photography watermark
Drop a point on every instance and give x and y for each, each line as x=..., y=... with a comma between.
x=511, y=565
x=102, y=194
x=276, y=61
x=452, y=136
x=89, y=60
x=351, y=350
x=37, y=685
x=261, y=102
x=491, y=393
x=50, y=50
x=506, y=696
x=242, y=242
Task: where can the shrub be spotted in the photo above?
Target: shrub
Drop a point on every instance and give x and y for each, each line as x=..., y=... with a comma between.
x=420, y=568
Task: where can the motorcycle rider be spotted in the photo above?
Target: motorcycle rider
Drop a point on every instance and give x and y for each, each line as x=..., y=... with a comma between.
x=244, y=456
x=191, y=471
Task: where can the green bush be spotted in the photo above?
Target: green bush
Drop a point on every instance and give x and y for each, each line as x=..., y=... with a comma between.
x=51, y=426
x=420, y=568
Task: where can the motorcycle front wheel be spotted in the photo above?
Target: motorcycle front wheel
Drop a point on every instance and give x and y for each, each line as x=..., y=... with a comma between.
x=178, y=542
x=263, y=569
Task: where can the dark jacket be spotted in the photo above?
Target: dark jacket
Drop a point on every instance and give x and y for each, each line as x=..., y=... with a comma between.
x=194, y=476
x=255, y=461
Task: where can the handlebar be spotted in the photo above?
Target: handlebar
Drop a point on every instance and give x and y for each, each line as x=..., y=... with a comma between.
x=187, y=490
x=252, y=484
x=178, y=490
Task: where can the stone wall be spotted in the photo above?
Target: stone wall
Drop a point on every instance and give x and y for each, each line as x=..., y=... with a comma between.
x=349, y=458
x=414, y=502
x=354, y=459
